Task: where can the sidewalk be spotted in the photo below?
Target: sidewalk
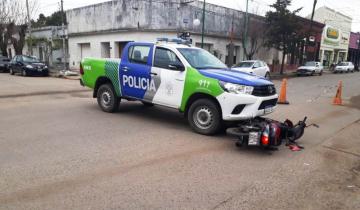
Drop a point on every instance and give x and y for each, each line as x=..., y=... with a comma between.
x=17, y=86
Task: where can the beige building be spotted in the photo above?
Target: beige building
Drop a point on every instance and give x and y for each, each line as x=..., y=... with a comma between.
x=336, y=35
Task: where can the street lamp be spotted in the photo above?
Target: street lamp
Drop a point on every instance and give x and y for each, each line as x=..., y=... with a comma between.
x=196, y=23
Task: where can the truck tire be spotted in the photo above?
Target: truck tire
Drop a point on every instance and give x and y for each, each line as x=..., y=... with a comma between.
x=267, y=76
x=204, y=117
x=107, y=99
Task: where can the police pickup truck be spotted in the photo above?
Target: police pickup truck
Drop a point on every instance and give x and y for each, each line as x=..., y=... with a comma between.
x=174, y=74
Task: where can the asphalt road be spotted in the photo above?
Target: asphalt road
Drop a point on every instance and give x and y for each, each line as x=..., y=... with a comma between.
x=59, y=151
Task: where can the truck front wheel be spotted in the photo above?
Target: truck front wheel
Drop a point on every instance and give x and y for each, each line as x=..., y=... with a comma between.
x=107, y=99
x=204, y=117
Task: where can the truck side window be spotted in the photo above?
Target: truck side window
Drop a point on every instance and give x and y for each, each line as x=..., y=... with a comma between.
x=139, y=54
x=164, y=58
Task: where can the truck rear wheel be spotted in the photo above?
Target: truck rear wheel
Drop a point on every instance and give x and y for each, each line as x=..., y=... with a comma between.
x=204, y=117
x=107, y=99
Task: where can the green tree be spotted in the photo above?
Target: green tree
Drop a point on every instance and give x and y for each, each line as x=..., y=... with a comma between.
x=283, y=28
x=41, y=21
x=56, y=19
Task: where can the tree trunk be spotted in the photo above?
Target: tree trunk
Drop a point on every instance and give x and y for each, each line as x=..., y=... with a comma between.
x=3, y=40
x=4, y=51
x=282, y=62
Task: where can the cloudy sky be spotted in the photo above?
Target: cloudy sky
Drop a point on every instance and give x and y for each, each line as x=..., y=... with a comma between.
x=349, y=7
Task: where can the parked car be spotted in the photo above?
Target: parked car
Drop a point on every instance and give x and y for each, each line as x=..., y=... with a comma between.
x=4, y=64
x=26, y=66
x=310, y=68
x=344, y=67
x=257, y=67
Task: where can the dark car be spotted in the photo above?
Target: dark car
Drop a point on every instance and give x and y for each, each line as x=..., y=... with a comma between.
x=26, y=66
x=4, y=64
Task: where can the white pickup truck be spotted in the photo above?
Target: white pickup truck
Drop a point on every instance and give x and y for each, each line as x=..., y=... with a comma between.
x=174, y=74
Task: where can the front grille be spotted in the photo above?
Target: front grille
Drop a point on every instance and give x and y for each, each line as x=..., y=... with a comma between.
x=268, y=103
x=265, y=90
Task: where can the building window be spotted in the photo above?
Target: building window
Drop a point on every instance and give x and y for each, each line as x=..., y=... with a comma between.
x=105, y=49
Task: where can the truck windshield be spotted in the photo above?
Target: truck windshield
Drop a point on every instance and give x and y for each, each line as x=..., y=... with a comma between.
x=201, y=59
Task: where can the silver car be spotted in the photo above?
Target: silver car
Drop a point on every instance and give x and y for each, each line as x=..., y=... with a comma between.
x=257, y=67
x=345, y=67
x=310, y=68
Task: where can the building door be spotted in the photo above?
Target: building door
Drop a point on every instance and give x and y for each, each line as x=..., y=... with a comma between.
x=85, y=50
x=119, y=48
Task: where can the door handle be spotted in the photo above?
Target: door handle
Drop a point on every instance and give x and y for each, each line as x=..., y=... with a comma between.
x=179, y=80
x=125, y=68
x=153, y=73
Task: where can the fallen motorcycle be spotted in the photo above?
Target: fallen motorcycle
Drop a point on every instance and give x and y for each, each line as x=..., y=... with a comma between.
x=268, y=133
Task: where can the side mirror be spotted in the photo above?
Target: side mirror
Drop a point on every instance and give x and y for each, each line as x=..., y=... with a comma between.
x=254, y=67
x=176, y=66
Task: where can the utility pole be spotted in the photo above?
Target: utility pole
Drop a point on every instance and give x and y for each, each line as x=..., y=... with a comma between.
x=203, y=26
x=310, y=30
x=29, y=25
x=63, y=31
x=246, y=27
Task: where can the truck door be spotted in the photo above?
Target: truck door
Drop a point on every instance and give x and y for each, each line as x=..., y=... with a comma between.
x=169, y=71
x=134, y=72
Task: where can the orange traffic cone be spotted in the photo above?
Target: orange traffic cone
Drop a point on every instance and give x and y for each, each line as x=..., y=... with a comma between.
x=337, y=99
x=282, y=97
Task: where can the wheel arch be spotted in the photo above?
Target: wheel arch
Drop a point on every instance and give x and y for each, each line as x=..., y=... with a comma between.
x=196, y=96
x=100, y=81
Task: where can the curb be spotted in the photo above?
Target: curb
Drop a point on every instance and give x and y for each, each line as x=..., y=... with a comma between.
x=287, y=75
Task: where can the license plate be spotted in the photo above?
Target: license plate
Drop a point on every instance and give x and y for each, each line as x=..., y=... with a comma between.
x=268, y=109
x=254, y=138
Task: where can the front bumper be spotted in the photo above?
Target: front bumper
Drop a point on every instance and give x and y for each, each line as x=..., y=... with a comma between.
x=250, y=106
x=304, y=71
x=35, y=71
x=338, y=69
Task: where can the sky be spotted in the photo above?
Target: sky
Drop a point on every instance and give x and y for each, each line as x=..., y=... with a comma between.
x=348, y=7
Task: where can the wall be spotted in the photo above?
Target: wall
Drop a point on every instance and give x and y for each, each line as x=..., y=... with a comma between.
x=354, y=37
x=217, y=44
x=130, y=15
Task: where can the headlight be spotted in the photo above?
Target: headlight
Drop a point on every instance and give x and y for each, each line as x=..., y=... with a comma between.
x=29, y=66
x=45, y=67
x=237, y=89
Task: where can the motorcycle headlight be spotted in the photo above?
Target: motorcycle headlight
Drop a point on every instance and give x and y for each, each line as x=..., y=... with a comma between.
x=29, y=66
x=237, y=89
